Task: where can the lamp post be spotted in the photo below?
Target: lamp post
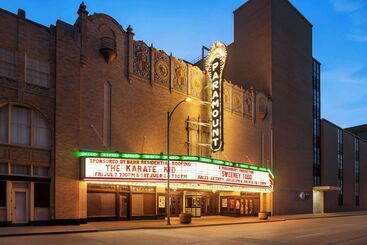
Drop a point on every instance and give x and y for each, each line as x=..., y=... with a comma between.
x=168, y=196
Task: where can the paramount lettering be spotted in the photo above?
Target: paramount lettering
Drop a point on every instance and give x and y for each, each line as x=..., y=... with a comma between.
x=214, y=65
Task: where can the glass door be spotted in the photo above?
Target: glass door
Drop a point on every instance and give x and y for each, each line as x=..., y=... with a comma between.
x=193, y=205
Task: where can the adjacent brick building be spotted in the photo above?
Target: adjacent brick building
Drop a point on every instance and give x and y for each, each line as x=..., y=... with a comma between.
x=89, y=89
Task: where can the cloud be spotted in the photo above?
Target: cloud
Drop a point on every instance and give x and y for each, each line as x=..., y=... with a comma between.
x=344, y=94
x=356, y=12
x=358, y=37
x=347, y=74
x=348, y=6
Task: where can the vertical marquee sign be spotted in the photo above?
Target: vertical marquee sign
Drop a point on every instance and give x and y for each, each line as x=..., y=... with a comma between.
x=214, y=65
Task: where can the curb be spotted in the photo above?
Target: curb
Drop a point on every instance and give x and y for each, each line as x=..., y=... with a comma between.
x=325, y=217
x=189, y=226
x=133, y=228
x=47, y=233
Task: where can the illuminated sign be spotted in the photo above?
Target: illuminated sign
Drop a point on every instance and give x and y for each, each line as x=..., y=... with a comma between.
x=128, y=170
x=214, y=65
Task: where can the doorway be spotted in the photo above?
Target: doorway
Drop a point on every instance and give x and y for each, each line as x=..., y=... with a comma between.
x=124, y=206
x=176, y=205
x=20, y=206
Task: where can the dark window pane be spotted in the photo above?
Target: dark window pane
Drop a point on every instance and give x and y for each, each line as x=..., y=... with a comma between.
x=2, y=194
x=41, y=195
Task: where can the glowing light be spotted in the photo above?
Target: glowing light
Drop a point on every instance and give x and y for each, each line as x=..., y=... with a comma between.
x=217, y=161
x=130, y=155
x=198, y=172
x=87, y=154
x=190, y=158
x=214, y=64
x=204, y=159
x=188, y=99
x=109, y=154
x=172, y=157
x=184, y=186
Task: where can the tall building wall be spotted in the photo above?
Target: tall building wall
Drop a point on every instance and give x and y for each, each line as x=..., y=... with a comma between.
x=273, y=52
x=250, y=61
x=329, y=164
x=292, y=107
x=331, y=175
x=362, y=174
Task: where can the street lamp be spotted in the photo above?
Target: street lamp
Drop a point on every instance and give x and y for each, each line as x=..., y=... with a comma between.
x=168, y=197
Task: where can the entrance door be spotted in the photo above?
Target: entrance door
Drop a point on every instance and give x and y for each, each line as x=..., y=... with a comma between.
x=175, y=205
x=20, y=207
x=193, y=205
x=250, y=206
x=124, y=202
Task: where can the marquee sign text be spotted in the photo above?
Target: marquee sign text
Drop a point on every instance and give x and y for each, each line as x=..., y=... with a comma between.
x=180, y=171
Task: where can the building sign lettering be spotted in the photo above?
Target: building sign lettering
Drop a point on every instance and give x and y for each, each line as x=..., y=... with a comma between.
x=214, y=64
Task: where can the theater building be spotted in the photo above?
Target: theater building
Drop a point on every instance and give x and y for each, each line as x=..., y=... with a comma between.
x=83, y=124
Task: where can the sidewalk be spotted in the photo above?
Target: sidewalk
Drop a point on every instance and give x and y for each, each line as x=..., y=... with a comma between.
x=158, y=224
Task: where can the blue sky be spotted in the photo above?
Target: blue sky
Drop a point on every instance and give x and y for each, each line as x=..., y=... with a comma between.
x=181, y=27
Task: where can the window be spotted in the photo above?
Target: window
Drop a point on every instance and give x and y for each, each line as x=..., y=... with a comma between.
x=316, y=123
x=340, y=166
x=40, y=130
x=356, y=170
x=41, y=171
x=38, y=73
x=17, y=169
x=41, y=195
x=8, y=64
x=20, y=125
x=27, y=127
x=4, y=124
x=2, y=193
x=4, y=168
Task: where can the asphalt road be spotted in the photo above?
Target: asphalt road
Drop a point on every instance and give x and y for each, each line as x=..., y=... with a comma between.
x=343, y=230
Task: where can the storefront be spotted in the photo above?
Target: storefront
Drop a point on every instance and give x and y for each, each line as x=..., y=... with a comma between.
x=133, y=186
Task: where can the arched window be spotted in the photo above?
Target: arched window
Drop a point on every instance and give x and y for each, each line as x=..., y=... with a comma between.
x=22, y=126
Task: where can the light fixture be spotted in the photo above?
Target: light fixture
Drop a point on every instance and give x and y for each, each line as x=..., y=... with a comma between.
x=188, y=99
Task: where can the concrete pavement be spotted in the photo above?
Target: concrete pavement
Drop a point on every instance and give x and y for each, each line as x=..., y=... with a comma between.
x=336, y=230
x=204, y=221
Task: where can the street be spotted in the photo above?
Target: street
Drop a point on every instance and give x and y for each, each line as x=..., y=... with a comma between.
x=342, y=230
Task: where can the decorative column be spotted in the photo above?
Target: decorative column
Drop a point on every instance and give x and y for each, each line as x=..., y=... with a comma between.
x=130, y=51
x=83, y=15
x=152, y=63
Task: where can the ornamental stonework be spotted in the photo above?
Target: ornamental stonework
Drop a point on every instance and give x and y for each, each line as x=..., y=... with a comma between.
x=237, y=100
x=141, y=65
x=179, y=76
x=197, y=82
x=227, y=95
x=248, y=104
x=262, y=105
x=161, y=68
